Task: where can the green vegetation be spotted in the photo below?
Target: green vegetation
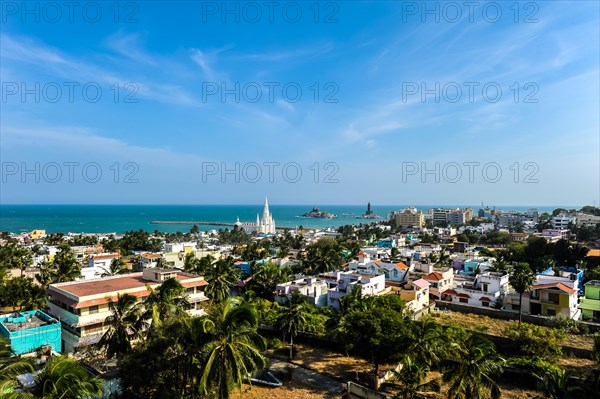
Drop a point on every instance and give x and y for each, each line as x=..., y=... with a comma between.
x=536, y=341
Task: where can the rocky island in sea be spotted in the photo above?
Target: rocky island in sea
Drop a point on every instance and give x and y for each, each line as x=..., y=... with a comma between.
x=317, y=213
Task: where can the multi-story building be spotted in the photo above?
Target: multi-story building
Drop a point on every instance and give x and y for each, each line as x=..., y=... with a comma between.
x=459, y=216
x=590, y=303
x=343, y=283
x=395, y=272
x=584, y=219
x=563, y=220
x=553, y=299
x=439, y=216
x=312, y=289
x=486, y=289
x=549, y=296
x=98, y=265
x=416, y=295
x=82, y=306
x=439, y=282
x=149, y=260
x=408, y=217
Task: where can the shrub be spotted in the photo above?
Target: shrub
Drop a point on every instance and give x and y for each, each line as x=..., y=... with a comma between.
x=567, y=325
x=274, y=343
x=531, y=340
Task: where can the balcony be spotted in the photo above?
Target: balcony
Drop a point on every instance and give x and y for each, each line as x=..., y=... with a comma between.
x=197, y=297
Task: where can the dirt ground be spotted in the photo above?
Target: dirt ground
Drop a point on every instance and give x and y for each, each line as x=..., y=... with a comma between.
x=346, y=368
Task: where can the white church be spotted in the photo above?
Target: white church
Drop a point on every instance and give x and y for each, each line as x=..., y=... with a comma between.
x=264, y=225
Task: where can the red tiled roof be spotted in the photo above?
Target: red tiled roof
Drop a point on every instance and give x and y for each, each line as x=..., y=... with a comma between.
x=560, y=286
x=450, y=292
x=108, y=256
x=434, y=276
x=461, y=295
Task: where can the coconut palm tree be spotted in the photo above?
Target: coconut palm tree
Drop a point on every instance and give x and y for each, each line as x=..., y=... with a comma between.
x=426, y=342
x=193, y=335
x=166, y=301
x=295, y=316
x=234, y=349
x=409, y=381
x=10, y=367
x=443, y=259
x=221, y=277
x=265, y=278
x=117, y=266
x=125, y=323
x=474, y=371
x=64, y=378
x=521, y=279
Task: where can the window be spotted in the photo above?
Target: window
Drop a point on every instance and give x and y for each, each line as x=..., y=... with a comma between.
x=395, y=273
x=551, y=312
x=485, y=304
x=553, y=297
x=463, y=300
x=93, y=309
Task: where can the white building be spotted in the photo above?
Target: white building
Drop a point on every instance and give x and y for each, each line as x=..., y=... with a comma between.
x=149, y=260
x=314, y=290
x=483, y=291
x=416, y=295
x=395, y=272
x=266, y=225
x=562, y=221
x=343, y=283
x=98, y=265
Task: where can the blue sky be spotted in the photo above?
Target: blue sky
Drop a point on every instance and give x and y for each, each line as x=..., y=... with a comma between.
x=380, y=102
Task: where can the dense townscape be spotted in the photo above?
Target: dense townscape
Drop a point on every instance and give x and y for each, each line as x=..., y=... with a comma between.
x=220, y=313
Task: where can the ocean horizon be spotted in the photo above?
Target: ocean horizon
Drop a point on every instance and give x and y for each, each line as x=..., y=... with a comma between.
x=120, y=218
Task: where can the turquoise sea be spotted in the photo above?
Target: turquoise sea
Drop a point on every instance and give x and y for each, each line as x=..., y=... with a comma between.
x=120, y=218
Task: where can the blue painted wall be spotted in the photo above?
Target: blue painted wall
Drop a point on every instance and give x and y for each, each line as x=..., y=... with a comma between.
x=28, y=340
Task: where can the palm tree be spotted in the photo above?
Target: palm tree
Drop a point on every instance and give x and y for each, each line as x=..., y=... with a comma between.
x=221, y=277
x=234, y=350
x=10, y=367
x=265, y=278
x=394, y=254
x=117, y=266
x=521, y=279
x=295, y=316
x=193, y=335
x=474, y=371
x=64, y=267
x=64, y=378
x=410, y=383
x=426, y=342
x=557, y=383
x=166, y=301
x=125, y=324
x=443, y=259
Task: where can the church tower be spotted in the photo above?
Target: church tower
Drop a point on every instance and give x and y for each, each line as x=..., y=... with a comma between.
x=266, y=224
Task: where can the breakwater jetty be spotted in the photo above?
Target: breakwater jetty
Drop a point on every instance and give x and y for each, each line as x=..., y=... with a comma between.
x=204, y=223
